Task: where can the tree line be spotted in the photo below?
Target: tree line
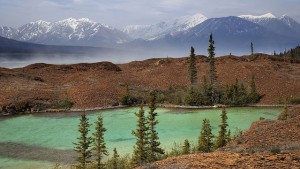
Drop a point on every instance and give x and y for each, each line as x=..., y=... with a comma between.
x=207, y=93
x=147, y=147
x=211, y=93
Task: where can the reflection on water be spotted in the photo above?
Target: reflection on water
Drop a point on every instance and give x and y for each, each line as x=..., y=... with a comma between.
x=121, y=139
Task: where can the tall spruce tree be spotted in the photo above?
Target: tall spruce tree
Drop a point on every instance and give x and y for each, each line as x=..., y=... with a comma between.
x=98, y=142
x=82, y=147
x=205, y=143
x=192, y=67
x=252, y=49
x=211, y=57
x=222, y=139
x=155, y=152
x=140, y=154
x=212, y=70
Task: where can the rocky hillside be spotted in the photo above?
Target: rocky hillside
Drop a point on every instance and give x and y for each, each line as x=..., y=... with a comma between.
x=221, y=160
x=279, y=135
x=102, y=84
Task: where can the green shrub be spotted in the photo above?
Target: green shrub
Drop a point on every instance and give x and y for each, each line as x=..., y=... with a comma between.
x=122, y=162
x=275, y=150
x=295, y=101
x=175, y=151
x=65, y=104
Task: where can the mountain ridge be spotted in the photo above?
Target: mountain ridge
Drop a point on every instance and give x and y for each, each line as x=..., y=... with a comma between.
x=169, y=37
x=74, y=32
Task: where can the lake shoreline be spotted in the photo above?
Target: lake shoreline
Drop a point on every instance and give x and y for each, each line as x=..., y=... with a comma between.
x=169, y=106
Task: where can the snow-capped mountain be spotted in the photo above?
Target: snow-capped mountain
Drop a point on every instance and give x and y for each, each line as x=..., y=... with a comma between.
x=283, y=25
x=291, y=23
x=254, y=18
x=161, y=29
x=8, y=32
x=231, y=34
x=70, y=31
x=33, y=31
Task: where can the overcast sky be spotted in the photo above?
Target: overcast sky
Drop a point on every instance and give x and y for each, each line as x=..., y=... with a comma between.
x=119, y=13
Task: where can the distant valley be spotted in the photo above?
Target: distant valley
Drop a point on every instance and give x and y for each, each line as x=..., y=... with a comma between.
x=78, y=38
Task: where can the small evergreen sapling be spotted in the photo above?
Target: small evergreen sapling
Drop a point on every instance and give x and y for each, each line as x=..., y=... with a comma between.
x=186, y=149
x=115, y=159
x=205, y=143
x=222, y=137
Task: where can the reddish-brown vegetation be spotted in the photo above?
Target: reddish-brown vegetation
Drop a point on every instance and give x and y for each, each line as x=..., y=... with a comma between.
x=101, y=84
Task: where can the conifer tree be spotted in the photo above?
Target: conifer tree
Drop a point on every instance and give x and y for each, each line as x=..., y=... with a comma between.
x=140, y=154
x=126, y=98
x=228, y=136
x=206, y=92
x=253, y=95
x=252, y=50
x=212, y=70
x=222, y=136
x=211, y=57
x=292, y=53
x=205, y=143
x=82, y=147
x=186, y=149
x=99, y=146
x=155, y=151
x=115, y=159
x=192, y=67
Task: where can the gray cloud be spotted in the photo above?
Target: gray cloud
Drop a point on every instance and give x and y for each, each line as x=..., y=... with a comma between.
x=119, y=13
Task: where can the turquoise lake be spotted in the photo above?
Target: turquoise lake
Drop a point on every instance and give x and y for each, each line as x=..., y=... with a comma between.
x=41, y=140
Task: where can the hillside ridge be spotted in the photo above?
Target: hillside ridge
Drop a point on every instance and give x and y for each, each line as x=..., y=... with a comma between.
x=102, y=84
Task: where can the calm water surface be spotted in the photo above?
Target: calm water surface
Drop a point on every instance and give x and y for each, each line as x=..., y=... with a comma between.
x=40, y=140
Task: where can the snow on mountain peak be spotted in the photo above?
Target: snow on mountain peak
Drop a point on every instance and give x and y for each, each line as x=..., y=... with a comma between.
x=40, y=22
x=286, y=17
x=268, y=15
x=265, y=16
x=190, y=21
x=130, y=28
x=85, y=20
x=289, y=21
x=168, y=27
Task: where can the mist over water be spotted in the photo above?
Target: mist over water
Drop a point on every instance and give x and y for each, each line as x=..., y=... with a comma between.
x=17, y=60
x=21, y=60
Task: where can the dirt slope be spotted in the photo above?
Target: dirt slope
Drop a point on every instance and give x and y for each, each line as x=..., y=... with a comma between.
x=224, y=160
x=100, y=84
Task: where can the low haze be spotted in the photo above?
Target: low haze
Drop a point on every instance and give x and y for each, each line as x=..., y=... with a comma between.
x=119, y=13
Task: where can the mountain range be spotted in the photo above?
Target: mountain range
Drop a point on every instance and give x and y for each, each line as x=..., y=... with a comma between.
x=231, y=34
x=81, y=32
